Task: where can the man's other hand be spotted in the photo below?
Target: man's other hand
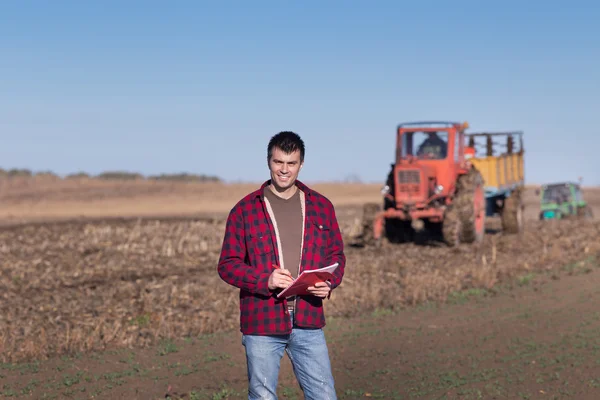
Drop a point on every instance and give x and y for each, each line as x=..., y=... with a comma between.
x=321, y=289
x=280, y=279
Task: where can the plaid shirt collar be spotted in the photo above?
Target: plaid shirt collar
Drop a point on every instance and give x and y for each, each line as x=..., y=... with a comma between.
x=307, y=191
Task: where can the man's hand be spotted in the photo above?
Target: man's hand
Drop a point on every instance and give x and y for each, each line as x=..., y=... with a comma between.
x=321, y=289
x=280, y=279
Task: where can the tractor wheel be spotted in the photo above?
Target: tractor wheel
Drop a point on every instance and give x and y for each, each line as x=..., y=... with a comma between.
x=451, y=226
x=470, y=202
x=512, y=214
x=585, y=212
x=365, y=234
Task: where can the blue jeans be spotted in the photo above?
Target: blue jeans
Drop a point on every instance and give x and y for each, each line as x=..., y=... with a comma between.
x=307, y=350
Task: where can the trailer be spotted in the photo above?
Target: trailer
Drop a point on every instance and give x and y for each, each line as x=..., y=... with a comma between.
x=499, y=157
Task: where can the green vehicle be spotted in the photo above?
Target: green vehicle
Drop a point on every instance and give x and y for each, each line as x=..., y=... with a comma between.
x=563, y=200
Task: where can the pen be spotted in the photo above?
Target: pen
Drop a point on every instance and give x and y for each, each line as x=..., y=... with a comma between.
x=278, y=267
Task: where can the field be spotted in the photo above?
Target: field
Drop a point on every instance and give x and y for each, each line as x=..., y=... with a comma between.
x=98, y=302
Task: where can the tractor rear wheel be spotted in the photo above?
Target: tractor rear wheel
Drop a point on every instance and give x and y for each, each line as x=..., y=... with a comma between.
x=470, y=202
x=451, y=226
x=464, y=220
x=585, y=212
x=589, y=214
x=512, y=213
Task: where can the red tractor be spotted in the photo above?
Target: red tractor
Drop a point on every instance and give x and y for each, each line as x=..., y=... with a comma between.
x=434, y=186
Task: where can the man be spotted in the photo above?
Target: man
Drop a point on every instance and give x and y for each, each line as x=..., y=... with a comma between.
x=272, y=235
x=434, y=146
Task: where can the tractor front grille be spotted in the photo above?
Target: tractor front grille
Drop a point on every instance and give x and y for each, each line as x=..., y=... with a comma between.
x=409, y=176
x=409, y=181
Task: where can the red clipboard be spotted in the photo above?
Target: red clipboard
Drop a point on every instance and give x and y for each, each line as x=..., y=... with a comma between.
x=307, y=279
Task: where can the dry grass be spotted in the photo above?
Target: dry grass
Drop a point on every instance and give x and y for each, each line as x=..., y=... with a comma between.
x=78, y=286
x=75, y=287
x=82, y=286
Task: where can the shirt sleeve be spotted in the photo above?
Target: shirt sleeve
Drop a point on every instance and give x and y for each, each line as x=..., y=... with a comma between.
x=232, y=266
x=335, y=247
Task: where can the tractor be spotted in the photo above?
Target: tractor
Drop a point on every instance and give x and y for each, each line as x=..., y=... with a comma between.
x=563, y=200
x=439, y=184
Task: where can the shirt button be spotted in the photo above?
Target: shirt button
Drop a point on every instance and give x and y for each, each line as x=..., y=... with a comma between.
x=320, y=226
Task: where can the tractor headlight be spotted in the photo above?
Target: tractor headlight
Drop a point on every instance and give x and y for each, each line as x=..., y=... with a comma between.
x=385, y=190
x=438, y=189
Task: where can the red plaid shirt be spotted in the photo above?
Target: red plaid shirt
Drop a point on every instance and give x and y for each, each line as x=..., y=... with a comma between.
x=250, y=250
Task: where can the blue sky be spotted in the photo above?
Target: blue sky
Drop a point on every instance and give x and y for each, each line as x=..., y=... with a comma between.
x=201, y=86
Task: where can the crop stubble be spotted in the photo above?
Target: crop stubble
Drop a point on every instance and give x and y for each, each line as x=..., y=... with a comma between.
x=79, y=286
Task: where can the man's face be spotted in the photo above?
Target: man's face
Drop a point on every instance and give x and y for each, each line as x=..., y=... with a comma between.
x=284, y=168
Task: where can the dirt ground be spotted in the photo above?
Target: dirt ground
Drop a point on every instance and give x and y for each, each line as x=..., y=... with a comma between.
x=99, y=307
x=539, y=339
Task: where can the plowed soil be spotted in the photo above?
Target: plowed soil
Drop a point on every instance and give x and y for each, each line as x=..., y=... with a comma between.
x=129, y=290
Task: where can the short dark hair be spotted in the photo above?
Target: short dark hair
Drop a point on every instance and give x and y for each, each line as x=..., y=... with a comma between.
x=288, y=142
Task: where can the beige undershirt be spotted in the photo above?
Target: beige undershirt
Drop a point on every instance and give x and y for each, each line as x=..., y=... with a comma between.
x=288, y=216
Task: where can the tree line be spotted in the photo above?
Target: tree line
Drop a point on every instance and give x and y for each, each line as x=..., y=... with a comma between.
x=110, y=175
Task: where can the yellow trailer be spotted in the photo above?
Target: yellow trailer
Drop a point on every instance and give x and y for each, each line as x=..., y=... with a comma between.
x=501, y=172
x=499, y=157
